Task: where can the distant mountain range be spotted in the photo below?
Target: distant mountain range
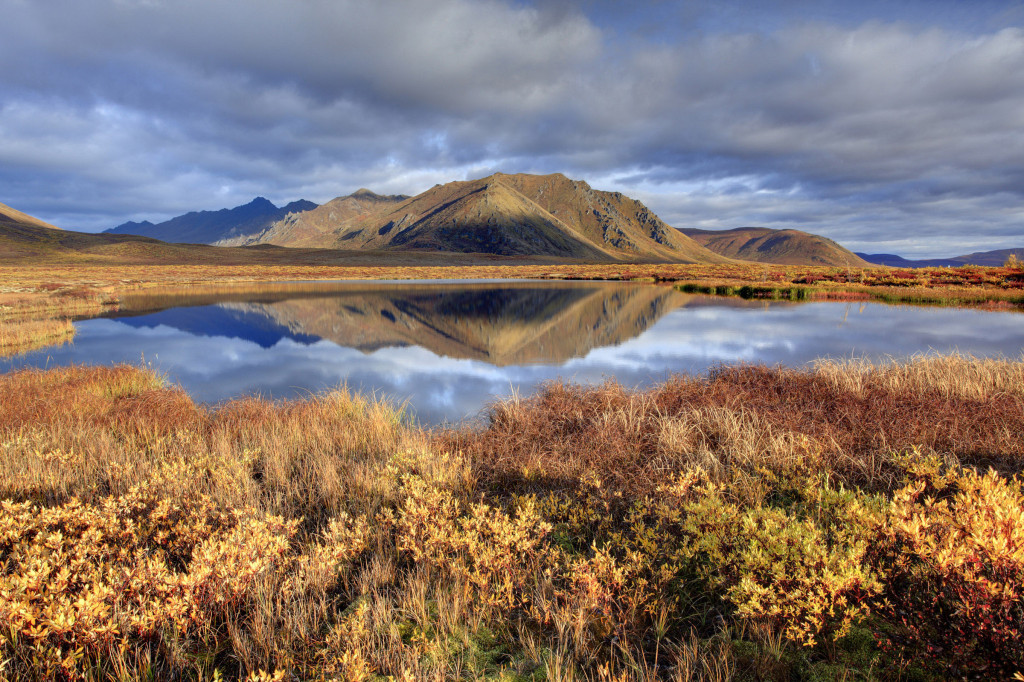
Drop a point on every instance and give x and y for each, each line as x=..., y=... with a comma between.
x=23, y=237
x=207, y=227
x=501, y=214
x=795, y=247
x=988, y=258
x=765, y=245
x=544, y=216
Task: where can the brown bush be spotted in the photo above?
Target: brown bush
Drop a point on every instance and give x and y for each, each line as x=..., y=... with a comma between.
x=841, y=419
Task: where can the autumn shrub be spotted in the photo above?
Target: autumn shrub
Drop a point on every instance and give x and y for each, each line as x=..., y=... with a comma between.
x=952, y=549
x=751, y=523
x=779, y=569
x=493, y=551
x=672, y=560
x=104, y=586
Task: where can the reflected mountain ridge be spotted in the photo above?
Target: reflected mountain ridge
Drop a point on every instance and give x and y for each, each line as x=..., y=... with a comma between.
x=450, y=348
x=500, y=325
x=216, y=320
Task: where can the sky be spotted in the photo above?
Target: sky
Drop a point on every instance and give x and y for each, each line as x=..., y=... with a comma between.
x=892, y=126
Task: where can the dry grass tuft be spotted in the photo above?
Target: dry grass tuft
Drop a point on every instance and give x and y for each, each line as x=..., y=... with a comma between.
x=17, y=338
x=845, y=419
x=952, y=376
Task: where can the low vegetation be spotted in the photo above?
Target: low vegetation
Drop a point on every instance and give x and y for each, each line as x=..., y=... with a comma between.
x=21, y=337
x=844, y=522
x=40, y=316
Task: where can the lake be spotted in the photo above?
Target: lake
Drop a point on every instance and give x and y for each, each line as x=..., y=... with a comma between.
x=449, y=348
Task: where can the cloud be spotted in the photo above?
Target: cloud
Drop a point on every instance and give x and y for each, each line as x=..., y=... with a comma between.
x=857, y=126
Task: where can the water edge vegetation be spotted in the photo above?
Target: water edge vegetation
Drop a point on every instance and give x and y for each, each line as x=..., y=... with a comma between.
x=32, y=292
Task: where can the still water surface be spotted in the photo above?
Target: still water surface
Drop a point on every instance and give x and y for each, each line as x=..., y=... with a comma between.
x=450, y=348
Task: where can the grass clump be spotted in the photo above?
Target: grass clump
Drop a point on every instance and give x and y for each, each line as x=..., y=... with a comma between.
x=17, y=338
x=845, y=521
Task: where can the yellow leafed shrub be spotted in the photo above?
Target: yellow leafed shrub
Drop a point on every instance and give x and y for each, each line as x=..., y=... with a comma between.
x=80, y=581
x=492, y=549
x=953, y=545
x=792, y=573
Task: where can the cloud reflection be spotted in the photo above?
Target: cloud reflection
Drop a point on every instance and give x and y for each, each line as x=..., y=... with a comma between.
x=700, y=333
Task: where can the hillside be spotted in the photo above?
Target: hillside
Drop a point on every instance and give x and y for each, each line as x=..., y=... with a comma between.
x=765, y=245
x=28, y=244
x=207, y=227
x=23, y=242
x=11, y=216
x=501, y=214
x=985, y=258
x=990, y=258
x=312, y=227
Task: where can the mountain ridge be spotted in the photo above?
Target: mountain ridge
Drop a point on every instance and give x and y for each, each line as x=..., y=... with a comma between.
x=308, y=228
x=208, y=227
x=784, y=247
x=501, y=214
x=992, y=258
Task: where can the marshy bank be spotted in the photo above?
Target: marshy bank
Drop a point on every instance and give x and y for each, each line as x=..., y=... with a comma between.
x=846, y=521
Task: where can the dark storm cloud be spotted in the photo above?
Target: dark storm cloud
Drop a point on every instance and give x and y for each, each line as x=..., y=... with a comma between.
x=883, y=131
x=193, y=100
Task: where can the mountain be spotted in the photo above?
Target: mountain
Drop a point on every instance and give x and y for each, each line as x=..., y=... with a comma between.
x=313, y=227
x=765, y=245
x=24, y=243
x=989, y=258
x=892, y=260
x=12, y=216
x=501, y=214
x=207, y=227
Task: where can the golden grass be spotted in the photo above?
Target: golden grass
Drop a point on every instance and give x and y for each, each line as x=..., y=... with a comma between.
x=951, y=376
x=21, y=337
x=760, y=523
x=115, y=428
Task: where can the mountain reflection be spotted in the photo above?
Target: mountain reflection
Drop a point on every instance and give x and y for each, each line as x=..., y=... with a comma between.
x=507, y=324
x=448, y=349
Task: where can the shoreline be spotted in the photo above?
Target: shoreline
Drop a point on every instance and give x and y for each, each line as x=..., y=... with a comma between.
x=59, y=292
